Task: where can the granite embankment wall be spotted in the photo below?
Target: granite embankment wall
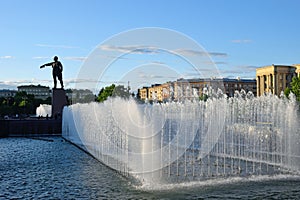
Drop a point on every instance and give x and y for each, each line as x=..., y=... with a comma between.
x=29, y=128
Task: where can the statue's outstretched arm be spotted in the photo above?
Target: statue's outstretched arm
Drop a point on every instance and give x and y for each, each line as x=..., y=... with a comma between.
x=48, y=64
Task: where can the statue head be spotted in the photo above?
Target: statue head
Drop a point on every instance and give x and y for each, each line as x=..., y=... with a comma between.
x=55, y=58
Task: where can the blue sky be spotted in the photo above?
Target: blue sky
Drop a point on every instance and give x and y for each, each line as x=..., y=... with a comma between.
x=242, y=34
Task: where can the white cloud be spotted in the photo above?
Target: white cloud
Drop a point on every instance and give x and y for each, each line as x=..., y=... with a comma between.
x=13, y=84
x=81, y=81
x=152, y=50
x=191, y=52
x=57, y=46
x=6, y=57
x=40, y=57
x=241, y=41
x=249, y=67
x=212, y=62
x=75, y=58
x=240, y=70
x=218, y=54
x=130, y=49
x=157, y=62
x=7, y=86
x=220, y=63
x=150, y=76
x=114, y=57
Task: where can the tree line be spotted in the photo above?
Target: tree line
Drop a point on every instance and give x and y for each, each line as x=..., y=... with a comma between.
x=26, y=104
x=294, y=88
x=113, y=91
x=21, y=104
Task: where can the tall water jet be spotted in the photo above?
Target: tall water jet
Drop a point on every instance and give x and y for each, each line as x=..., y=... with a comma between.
x=192, y=140
x=44, y=110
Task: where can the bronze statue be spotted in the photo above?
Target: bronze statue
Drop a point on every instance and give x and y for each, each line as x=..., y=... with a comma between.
x=57, y=69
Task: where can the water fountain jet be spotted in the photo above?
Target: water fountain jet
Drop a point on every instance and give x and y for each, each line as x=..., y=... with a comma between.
x=187, y=141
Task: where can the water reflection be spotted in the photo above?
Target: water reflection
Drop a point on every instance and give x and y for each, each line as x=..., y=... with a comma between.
x=55, y=169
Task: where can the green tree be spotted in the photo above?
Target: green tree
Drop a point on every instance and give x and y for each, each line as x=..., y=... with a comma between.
x=105, y=93
x=203, y=97
x=113, y=91
x=82, y=96
x=5, y=107
x=121, y=91
x=89, y=98
x=21, y=103
x=24, y=103
x=287, y=91
x=294, y=88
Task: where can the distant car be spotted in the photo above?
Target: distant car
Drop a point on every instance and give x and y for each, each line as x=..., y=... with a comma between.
x=6, y=117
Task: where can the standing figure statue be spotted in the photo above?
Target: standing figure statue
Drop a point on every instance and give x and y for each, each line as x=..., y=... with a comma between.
x=57, y=69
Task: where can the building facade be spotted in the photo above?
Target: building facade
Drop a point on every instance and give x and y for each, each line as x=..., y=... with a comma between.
x=143, y=93
x=275, y=78
x=155, y=92
x=190, y=88
x=232, y=85
x=39, y=91
x=297, y=69
x=79, y=96
x=7, y=93
x=182, y=89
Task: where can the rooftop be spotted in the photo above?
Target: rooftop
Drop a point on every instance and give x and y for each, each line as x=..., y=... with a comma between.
x=32, y=86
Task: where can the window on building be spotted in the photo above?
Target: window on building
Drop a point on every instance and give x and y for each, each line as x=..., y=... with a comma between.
x=271, y=79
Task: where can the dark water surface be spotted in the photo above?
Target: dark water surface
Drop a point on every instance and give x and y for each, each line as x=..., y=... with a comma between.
x=55, y=169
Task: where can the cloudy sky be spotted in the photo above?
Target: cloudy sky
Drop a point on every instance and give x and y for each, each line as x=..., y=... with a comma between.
x=237, y=36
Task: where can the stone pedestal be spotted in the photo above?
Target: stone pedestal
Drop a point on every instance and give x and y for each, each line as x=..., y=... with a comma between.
x=59, y=100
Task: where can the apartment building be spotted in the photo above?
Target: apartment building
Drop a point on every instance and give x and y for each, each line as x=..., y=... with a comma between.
x=275, y=78
x=182, y=89
x=7, y=93
x=39, y=91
